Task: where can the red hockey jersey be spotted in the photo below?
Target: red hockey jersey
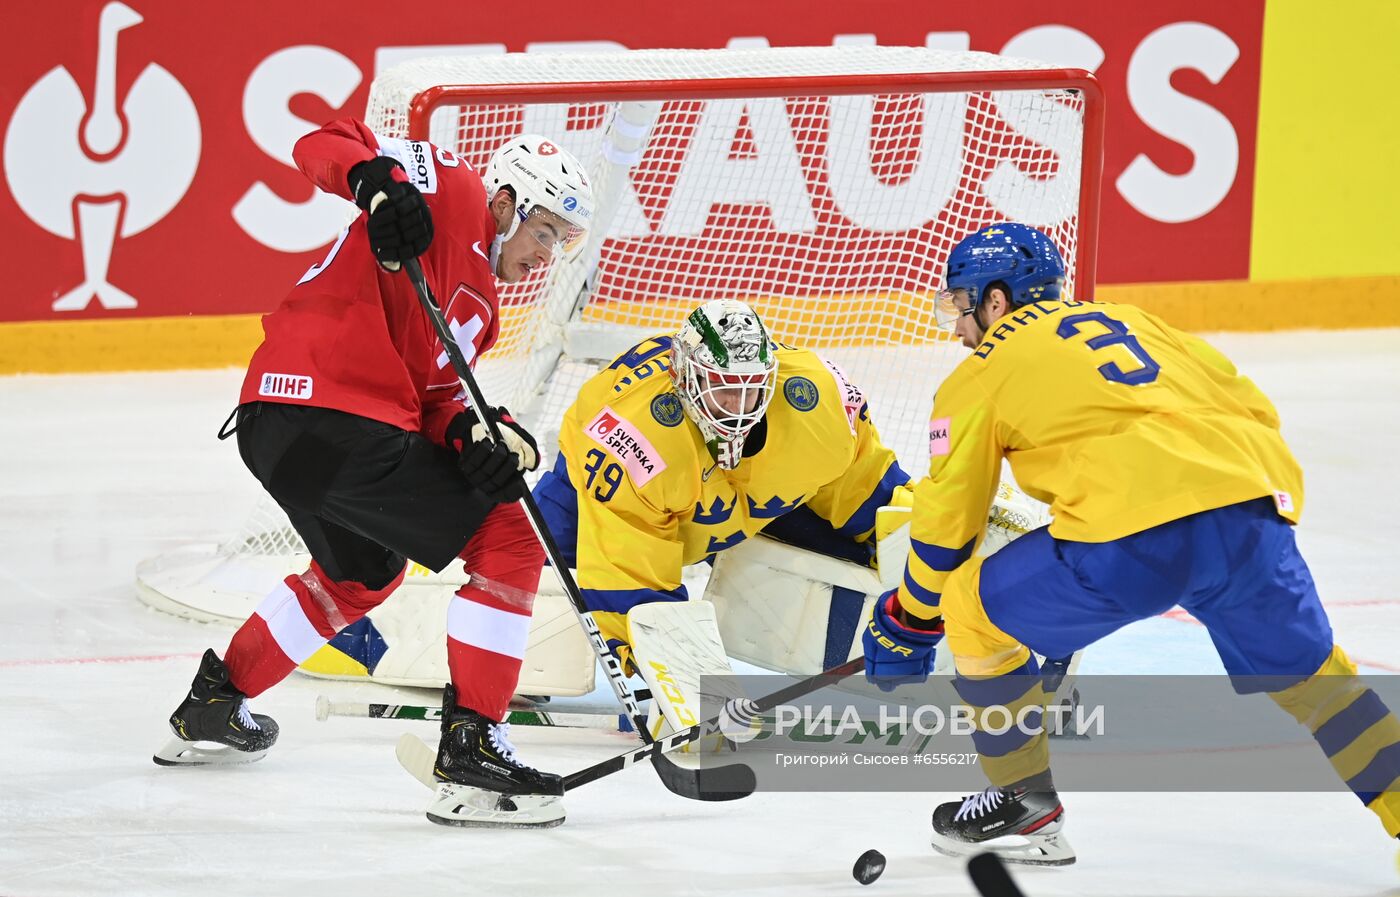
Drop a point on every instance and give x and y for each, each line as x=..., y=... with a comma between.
x=353, y=337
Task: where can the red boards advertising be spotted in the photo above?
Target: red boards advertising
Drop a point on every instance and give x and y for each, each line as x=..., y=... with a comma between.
x=147, y=143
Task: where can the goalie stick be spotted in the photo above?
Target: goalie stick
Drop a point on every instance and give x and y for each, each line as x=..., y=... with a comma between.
x=578, y=718
x=417, y=758
x=725, y=783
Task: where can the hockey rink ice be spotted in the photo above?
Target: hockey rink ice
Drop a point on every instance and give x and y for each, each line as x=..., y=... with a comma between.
x=98, y=472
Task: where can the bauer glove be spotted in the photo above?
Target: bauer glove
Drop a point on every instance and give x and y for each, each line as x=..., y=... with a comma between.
x=896, y=653
x=400, y=226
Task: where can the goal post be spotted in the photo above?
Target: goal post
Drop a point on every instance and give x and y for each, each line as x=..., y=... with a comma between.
x=823, y=185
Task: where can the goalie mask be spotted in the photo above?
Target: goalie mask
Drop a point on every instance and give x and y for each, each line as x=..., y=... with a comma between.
x=725, y=371
x=550, y=186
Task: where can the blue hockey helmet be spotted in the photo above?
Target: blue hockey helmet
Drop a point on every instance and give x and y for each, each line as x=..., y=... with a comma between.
x=1022, y=258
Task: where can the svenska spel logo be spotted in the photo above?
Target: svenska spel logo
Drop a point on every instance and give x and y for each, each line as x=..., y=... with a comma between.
x=603, y=425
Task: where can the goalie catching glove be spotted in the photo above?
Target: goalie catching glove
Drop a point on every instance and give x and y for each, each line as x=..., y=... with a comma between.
x=898, y=648
x=400, y=226
x=496, y=468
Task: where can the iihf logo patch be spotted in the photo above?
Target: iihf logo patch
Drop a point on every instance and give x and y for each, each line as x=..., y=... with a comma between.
x=286, y=386
x=666, y=408
x=801, y=393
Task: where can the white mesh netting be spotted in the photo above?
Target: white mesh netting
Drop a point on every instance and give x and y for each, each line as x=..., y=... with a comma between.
x=825, y=186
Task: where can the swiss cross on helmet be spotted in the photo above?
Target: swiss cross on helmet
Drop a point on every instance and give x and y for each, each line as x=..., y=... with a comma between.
x=547, y=181
x=1024, y=260
x=725, y=371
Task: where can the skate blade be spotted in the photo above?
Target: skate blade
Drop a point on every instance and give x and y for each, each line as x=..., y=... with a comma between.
x=468, y=807
x=1036, y=850
x=178, y=752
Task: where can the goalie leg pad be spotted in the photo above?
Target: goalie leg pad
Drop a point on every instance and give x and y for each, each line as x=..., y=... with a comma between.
x=674, y=644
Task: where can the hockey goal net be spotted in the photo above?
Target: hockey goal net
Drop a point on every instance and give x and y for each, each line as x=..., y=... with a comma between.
x=825, y=186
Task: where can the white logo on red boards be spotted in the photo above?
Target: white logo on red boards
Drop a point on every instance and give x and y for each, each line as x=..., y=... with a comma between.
x=547, y=149
x=96, y=174
x=625, y=442
x=285, y=386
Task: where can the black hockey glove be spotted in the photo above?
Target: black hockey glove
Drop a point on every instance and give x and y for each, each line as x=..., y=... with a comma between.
x=495, y=468
x=400, y=225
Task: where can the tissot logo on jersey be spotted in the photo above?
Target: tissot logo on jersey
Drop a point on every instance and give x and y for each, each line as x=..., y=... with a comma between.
x=416, y=158
x=625, y=442
x=285, y=386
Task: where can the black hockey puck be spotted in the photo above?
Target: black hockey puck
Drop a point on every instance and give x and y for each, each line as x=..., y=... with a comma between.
x=869, y=866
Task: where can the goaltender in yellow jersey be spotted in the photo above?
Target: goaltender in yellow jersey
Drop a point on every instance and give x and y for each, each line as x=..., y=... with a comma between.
x=689, y=444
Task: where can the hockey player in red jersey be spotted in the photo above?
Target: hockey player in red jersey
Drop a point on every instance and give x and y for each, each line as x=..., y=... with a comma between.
x=351, y=418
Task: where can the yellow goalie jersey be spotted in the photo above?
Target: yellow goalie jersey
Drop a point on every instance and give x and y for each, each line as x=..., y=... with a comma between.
x=1116, y=420
x=637, y=494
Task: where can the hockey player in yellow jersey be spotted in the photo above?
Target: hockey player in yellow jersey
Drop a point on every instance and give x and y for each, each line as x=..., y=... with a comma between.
x=1169, y=484
x=690, y=443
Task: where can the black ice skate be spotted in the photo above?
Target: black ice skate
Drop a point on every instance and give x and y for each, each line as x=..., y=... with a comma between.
x=480, y=781
x=1030, y=821
x=216, y=714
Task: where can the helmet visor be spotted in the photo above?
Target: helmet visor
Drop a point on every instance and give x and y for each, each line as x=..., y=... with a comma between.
x=563, y=238
x=949, y=306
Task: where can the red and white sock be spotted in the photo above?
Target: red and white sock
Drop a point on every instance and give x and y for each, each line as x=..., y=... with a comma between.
x=488, y=624
x=292, y=623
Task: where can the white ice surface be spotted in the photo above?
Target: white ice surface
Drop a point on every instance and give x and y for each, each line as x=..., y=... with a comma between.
x=98, y=472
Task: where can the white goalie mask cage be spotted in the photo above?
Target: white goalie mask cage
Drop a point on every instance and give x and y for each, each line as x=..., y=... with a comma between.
x=726, y=371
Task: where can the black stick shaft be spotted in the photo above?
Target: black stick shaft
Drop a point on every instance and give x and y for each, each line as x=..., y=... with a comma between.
x=551, y=548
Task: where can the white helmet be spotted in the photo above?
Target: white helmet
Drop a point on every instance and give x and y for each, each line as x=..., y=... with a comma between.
x=545, y=179
x=725, y=370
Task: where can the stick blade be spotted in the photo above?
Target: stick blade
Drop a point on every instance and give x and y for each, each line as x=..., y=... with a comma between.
x=732, y=781
x=990, y=877
x=417, y=759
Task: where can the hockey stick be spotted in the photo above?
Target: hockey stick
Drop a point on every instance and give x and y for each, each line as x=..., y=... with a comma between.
x=714, y=725
x=990, y=878
x=581, y=718
x=417, y=758
x=725, y=783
